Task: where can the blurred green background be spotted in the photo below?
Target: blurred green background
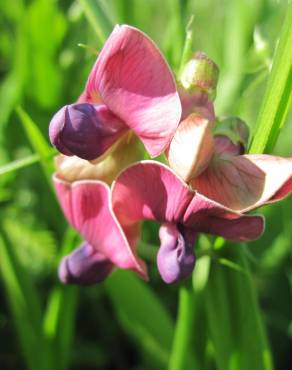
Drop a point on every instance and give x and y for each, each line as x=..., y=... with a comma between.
x=123, y=323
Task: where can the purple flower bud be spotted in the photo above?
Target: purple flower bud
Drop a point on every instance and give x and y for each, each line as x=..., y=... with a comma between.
x=84, y=266
x=85, y=130
x=175, y=258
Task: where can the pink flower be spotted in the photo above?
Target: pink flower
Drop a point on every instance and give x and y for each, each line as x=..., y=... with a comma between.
x=88, y=208
x=129, y=88
x=213, y=166
x=208, y=187
x=157, y=193
x=83, y=191
x=148, y=190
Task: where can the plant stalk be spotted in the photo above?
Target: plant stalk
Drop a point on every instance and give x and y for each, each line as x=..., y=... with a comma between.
x=183, y=329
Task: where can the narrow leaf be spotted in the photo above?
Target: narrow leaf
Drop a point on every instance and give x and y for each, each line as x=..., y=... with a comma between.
x=19, y=164
x=98, y=18
x=60, y=315
x=143, y=314
x=38, y=142
x=278, y=95
x=24, y=304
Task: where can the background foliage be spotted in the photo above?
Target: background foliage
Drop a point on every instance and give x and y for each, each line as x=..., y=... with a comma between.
x=125, y=323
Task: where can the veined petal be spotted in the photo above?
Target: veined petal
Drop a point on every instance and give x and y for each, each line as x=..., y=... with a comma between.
x=191, y=148
x=205, y=215
x=245, y=182
x=135, y=82
x=149, y=190
x=87, y=207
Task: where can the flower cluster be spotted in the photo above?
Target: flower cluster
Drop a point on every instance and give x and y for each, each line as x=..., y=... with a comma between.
x=106, y=189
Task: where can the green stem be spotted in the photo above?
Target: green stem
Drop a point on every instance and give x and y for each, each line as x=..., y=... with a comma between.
x=183, y=330
x=23, y=163
x=188, y=45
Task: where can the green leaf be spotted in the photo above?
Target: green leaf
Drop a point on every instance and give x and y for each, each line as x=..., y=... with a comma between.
x=38, y=143
x=18, y=164
x=234, y=318
x=24, y=304
x=141, y=313
x=239, y=23
x=45, y=27
x=125, y=10
x=98, y=18
x=176, y=31
x=23, y=163
x=218, y=317
x=183, y=329
x=12, y=85
x=60, y=314
x=278, y=95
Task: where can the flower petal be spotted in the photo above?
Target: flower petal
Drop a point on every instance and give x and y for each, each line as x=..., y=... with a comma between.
x=84, y=266
x=245, y=182
x=85, y=130
x=74, y=168
x=191, y=148
x=135, y=82
x=150, y=191
x=87, y=207
x=175, y=258
x=207, y=216
x=196, y=102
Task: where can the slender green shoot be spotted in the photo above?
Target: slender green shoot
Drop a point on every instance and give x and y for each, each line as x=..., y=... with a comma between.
x=38, y=143
x=183, y=330
x=22, y=163
x=188, y=45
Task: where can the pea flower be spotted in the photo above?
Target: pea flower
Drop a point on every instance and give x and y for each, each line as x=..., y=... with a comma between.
x=208, y=186
x=83, y=191
x=212, y=162
x=209, y=155
x=129, y=88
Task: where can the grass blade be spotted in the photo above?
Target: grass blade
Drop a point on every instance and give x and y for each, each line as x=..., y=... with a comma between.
x=278, y=95
x=38, y=143
x=141, y=314
x=240, y=19
x=19, y=164
x=98, y=18
x=175, y=33
x=59, y=318
x=24, y=304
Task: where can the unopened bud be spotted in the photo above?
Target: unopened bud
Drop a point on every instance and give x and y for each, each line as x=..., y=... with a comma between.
x=200, y=73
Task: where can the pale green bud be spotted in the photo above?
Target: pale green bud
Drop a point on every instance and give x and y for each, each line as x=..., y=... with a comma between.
x=200, y=73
